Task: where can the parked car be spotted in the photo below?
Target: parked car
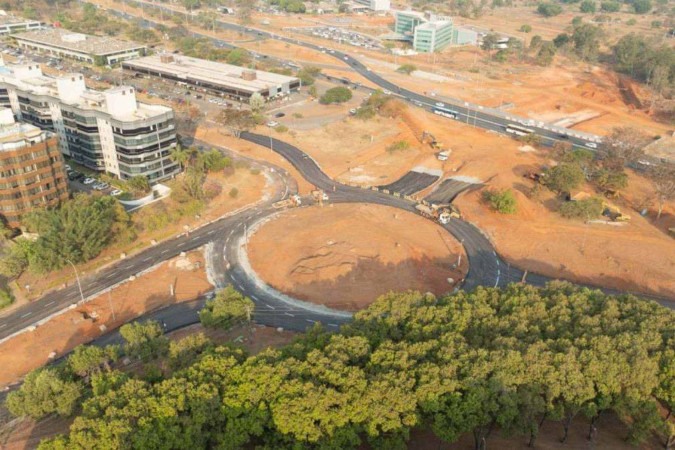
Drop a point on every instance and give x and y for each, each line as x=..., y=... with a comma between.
x=101, y=186
x=116, y=192
x=279, y=114
x=73, y=175
x=272, y=123
x=89, y=180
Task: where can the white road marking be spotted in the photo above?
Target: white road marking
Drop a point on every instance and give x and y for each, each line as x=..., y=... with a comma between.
x=50, y=303
x=3, y=325
x=310, y=320
x=165, y=251
x=26, y=315
x=289, y=314
x=270, y=306
x=211, y=232
x=147, y=259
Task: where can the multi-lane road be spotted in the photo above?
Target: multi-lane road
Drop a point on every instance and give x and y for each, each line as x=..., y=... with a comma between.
x=465, y=111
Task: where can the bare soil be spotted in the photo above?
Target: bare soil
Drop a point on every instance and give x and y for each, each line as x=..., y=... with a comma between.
x=344, y=256
x=31, y=350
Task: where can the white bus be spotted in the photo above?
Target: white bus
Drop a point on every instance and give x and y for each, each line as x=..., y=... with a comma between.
x=445, y=112
x=518, y=130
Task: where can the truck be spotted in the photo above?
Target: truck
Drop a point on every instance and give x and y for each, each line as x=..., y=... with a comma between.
x=441, y=213
x=292, y=201
x=443, y=156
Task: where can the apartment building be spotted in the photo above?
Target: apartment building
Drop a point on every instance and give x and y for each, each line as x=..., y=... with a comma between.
x=12, y=24
x=109, y=131
x=375, y=5
x=97, y=50
x=31, y=169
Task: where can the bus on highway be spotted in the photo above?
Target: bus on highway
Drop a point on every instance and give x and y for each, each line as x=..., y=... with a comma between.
x=445, y=112
x=518, y=130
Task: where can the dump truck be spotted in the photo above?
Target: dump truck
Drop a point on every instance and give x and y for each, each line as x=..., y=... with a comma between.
x=292, y=201
x=442, y=214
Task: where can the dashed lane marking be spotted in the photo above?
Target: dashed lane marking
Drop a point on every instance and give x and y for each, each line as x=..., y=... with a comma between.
x=50, y=303
x=270, y=306
x=289, y=314
x=26, y=315
x=310, y=320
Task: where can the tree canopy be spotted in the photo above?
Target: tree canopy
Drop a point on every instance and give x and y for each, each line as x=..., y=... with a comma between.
x=336, y=95
x=464, y=363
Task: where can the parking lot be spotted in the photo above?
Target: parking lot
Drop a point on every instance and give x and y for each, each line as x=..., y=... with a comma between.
x=342, y=36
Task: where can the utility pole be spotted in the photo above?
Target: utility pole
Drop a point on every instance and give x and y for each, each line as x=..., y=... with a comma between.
x=77, y=277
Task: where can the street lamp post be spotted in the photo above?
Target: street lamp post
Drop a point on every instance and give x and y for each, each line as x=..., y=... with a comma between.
x=77, y=277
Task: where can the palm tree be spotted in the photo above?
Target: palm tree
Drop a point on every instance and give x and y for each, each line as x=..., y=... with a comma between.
x=180, y=155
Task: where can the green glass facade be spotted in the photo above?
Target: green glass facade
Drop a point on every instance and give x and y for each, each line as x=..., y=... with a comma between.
x=432, y=37
x=406, y=23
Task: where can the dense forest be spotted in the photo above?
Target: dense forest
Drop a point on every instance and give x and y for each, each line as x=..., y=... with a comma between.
x=483, y=362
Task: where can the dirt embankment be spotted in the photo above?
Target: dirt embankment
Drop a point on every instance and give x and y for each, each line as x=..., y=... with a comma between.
x=345, y=256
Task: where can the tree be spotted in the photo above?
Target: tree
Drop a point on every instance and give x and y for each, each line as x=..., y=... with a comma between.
x=490, y=42
x=139, y=183
x=75, y=232
x=535, y=42
x=180, y=155
x=236, y=121
x=623, y=146
x=526, y=28
x=501, y=201
x=610, y=6
x=587, y=6
x=663, y=179
x=308, y=74
x=43, y=392
x=16, y=257
x=88, y=359
x=586, y=209
x=610, y=181
x=257, y=102
x=642, y=6
x=238, y=57
x=144, y=340
x=214, y=161
x=184, y=352
x=546, y=54
x=564, y=177
x=407, y=68
x=549, y=9
x=586, y=39
x=561, y=40
x=336, y=95
x=226, y=308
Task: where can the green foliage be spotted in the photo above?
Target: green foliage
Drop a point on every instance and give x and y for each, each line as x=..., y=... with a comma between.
x=586, y=39
x=610, y=181
x=463, y=363
x=16, y=257
x=526, y=28
x=365, y=112
x=336, y=95
x=587, y=6
x=610, y=6
x=631, y=22
x=490, y=41
x=77, y=231
x=6, y=298
x=257, y=102
x=89, y=359
x=139, y=183
x=586, y=209
x=549, y=9
x=564, y=177
x=236, y=121
x=238, y=57
x=226, y=308
x=536, y=41
x=234, y=192
x=407, y=68
x=641, y=6
x=43, y=392
x=312, y=91
x=291, y=6
x=546, y=53
x=646, y=60
x=307, y=75
x=561, y=40
x=398, y=146
x=214, y=161
x=184, y=352
x=144, y=340
x=281, y=128
x=501, y=201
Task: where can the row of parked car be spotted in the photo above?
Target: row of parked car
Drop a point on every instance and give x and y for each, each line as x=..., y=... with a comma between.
x=74, y=175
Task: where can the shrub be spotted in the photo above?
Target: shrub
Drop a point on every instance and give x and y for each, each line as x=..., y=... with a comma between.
x=398, y=146
x=6, y=298
x=281, y=129
x=642, y=6
x=526, y=28
x=586, y=209
x=548, y=9
x=234, y=192
x=336, y=95
x=610, y=6
x=587, y=6
x=407, y=69
x=501, y=201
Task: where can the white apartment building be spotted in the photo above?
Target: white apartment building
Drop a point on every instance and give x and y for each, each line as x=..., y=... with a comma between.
x=375, y=5
x=12, y=24
x=108, y=130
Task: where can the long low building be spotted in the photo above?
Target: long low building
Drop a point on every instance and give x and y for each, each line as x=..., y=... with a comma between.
x=218, y=78
x=104, y=130
x=83, y=47
x=12, y=24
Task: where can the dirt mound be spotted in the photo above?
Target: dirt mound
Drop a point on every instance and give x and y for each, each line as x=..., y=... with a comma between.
x=345, y=256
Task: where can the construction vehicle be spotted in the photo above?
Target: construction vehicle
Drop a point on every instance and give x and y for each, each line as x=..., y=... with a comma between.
x=614, y=213
x=292, y=201
x=432, y=140
x=441, y=213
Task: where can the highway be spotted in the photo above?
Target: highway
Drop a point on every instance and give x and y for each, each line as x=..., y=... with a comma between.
x=470, y=113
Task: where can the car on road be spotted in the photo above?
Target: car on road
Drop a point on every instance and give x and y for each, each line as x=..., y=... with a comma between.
x=272, y=123
x=440, y=104
x=89, y=180
x=417, y=103
x=279, y=114
x=386, y=92
x=346, y=58
x=591, y=145
x=116, y=192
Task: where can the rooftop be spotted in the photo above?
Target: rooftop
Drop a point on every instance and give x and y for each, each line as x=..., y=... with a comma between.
x=28, y=77
x=434, y=25
x=15, y=135
x=663, y=148
x=188, y=68
x=83, y=43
